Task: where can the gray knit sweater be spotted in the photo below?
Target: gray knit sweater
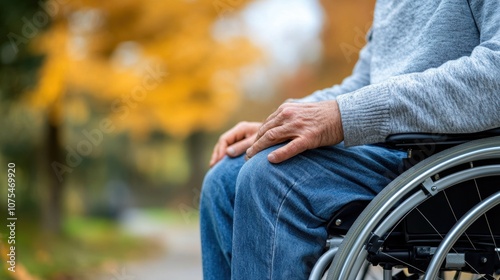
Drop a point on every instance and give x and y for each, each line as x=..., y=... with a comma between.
x=429, y=66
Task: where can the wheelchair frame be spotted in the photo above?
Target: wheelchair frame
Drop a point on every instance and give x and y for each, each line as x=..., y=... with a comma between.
x=366, y=237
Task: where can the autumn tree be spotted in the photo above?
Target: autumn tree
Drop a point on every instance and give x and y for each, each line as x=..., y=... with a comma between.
x=147, y=65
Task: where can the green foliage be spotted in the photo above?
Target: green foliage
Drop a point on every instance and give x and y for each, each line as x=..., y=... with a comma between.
x=80, y=253
x=18, y=65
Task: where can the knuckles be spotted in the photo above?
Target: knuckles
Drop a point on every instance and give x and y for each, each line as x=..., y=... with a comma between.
x=271, y=135
x=287, y=112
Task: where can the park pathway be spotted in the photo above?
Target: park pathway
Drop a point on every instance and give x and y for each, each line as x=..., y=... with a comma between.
x=180, y=257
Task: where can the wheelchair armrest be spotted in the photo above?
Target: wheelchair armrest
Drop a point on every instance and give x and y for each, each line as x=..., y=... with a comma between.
x=416, y=140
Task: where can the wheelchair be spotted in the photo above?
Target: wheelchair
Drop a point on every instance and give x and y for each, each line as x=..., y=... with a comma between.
x=439, y=219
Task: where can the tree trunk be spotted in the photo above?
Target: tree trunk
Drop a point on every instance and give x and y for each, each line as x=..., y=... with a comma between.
x=195, y=146
x=52, y=206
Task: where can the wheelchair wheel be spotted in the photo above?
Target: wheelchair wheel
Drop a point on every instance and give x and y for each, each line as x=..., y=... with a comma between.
x=402, y=227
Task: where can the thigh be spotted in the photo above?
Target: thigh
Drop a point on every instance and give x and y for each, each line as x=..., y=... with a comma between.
x=322, y=180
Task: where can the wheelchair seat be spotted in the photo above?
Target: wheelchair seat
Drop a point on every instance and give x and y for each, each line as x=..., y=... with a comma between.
x=441, y=214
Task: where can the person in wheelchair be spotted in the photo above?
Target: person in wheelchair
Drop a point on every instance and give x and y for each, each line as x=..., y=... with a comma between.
x=428, y=66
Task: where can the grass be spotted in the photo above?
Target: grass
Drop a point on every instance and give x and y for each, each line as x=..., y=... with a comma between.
x=86, y=246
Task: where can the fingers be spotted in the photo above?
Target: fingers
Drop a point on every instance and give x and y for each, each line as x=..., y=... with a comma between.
x=243, y=132
x=297, y=145
x=276, y=119
x=288, y=151
x=239, y=148
x=269, y=138
x=217, y=154
x=279, y=127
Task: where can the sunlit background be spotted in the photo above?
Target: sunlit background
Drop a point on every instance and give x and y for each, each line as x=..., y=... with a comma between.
x=110, y=110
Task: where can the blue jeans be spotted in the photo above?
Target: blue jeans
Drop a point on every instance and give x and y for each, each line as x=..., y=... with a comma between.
x=261, y=220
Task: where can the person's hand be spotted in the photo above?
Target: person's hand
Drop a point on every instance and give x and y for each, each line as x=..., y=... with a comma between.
x=305, y=125
x=235, y=141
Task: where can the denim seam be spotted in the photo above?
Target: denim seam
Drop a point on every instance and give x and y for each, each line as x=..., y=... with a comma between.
x=277, y=220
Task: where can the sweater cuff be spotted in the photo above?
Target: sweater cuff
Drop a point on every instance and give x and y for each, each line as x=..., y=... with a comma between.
x=365, y=115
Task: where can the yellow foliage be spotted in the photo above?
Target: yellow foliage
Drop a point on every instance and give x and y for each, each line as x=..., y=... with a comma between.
x=154, y=64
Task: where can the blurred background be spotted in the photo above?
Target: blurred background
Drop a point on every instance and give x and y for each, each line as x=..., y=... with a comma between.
x=110, y=110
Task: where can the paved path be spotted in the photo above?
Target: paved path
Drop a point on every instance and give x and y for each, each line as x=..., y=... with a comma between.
x=180, y=259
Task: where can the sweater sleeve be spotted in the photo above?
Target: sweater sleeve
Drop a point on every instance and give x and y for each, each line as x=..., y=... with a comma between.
x=460, y=96
x=359, y=78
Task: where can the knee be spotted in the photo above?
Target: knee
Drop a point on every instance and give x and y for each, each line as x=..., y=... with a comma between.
x=210, y=183
x=258, y=180
x=219, y=183
x=254, y=170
